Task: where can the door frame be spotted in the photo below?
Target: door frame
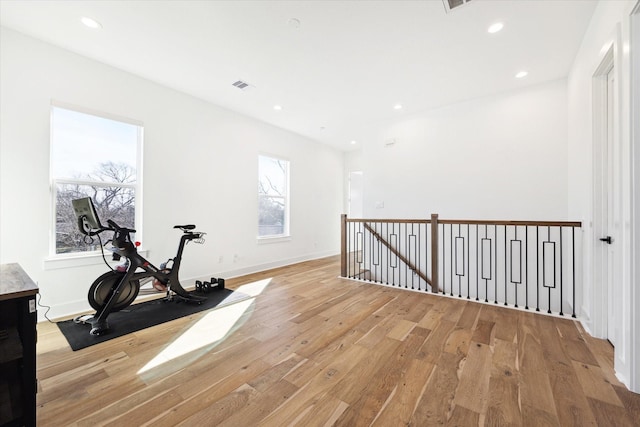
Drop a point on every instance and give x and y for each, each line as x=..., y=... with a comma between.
x=634, y=315
x=602, y=162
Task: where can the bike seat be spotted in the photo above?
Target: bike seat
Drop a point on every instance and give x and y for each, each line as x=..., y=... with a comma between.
x=185, y=227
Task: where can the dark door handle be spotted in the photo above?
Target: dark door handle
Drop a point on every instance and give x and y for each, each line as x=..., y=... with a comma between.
x=607, y=239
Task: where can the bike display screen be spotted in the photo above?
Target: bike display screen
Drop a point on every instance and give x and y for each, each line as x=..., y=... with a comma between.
x=85, y=211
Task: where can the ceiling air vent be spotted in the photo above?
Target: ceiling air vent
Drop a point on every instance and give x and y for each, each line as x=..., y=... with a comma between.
x=449, y=5
x=243, y=85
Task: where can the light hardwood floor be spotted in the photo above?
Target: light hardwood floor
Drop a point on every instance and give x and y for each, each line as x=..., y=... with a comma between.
x=311, y=349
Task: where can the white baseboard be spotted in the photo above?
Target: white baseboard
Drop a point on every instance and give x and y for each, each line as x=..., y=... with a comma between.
x=80, y=306
x=229, y=274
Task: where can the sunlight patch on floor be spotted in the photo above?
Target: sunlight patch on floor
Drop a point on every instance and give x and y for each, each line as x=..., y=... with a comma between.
x=211, y=329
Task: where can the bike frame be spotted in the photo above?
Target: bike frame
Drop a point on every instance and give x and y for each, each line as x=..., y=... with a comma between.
x=125, y=248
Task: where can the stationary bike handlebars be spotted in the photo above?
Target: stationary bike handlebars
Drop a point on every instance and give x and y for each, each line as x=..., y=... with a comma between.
x=121, y=239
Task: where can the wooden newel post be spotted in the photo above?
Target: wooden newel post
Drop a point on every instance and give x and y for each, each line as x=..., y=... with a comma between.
x=434, y=254
x=343, y=245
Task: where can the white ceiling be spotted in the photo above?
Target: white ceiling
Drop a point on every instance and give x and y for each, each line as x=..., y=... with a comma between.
x=339, y=72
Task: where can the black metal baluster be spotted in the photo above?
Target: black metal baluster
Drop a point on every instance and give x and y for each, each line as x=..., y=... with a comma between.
x=385, y=232
x=477, y=266
x=451, y=263
x=395, y=257
x=374, y=246
x=495, y=281
x=515, y=288
x=505, y=266
x=409, y=256
x=348, y=231
x=393, y=270
x=359, y=250
x=356, y=249
x=573, y=256
x=406, y=251
x=444, y=275
x=379, y=265
x=426, y=256
x=373, y=243
x=561, y=272
x=459, y=277
x=554, y=271
x=348, y=248
x=352, y=241
x=486, y=280
x=537, y=269
x=526, y=267
x=419, y=259
x=371, y=265
x=468, y=263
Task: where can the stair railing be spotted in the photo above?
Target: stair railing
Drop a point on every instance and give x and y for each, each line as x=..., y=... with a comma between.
x=523, y=264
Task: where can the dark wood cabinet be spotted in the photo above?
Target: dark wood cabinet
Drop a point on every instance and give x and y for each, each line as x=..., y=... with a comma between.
x=17, y=347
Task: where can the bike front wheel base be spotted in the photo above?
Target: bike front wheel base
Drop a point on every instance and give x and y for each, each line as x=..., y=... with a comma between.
x=99, y=328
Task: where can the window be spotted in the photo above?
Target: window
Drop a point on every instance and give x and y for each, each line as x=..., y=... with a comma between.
x=273, y=197
x=95, y=157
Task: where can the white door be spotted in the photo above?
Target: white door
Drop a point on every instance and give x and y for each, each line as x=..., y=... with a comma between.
x=604, y=135
x=356, y=200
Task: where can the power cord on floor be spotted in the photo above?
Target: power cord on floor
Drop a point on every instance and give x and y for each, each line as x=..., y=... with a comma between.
x=44, y=306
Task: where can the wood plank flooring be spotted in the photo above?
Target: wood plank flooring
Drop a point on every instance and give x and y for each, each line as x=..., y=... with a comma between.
x=311, y=349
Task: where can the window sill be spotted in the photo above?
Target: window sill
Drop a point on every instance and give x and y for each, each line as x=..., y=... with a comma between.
x=55, y=262
x=273, y=239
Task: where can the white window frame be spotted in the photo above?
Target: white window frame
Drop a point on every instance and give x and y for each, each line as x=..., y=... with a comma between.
x=287, y=203
x=56, y=260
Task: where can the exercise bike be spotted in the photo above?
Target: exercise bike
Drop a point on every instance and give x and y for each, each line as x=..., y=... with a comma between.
x=117, y=289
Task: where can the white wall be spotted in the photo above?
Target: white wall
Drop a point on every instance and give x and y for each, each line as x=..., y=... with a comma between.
x=609, y=27
x=497, y=157
x=200, y=166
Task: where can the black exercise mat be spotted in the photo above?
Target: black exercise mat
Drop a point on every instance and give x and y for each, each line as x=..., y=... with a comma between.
x=143, y=315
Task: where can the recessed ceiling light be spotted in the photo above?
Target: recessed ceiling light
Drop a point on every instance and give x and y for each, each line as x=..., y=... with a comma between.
x=494, y=28
x=521, y=74
x=353, y=142
x=277, y=107
x=91, y=23
x=397, y=107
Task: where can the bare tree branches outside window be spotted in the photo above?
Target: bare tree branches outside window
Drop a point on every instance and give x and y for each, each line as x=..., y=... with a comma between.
x=111, y=201
x=273, y=196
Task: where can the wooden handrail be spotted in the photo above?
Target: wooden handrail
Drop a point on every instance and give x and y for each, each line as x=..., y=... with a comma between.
x=508, y=222
x=474, y=222
x=396, y=253
x=409, y=221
